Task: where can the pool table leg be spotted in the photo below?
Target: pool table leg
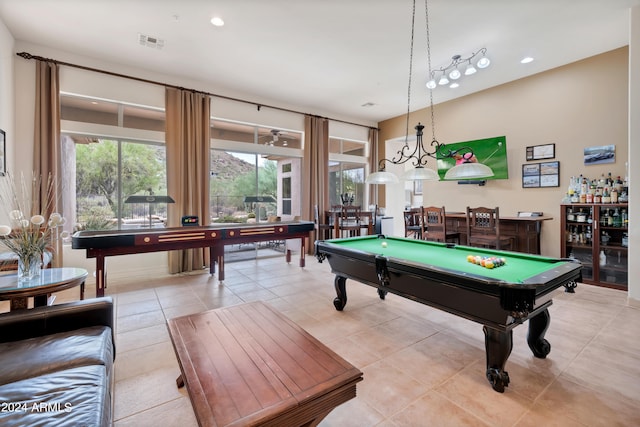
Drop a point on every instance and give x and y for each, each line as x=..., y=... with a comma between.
x=498, y=346
x=341, y=291
x=538, y=325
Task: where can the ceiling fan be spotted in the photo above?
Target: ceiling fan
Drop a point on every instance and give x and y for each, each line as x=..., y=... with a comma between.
x=274, y=138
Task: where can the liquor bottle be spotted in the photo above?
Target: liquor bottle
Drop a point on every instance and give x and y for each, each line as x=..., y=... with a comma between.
x=570, y=188
x=606, y=198
x=625, y=218
x=617, y=219
x=587, y=236
x=603, y=258
x=614, y=195
x=604, y=220
x=609, y=219
x=619, y=185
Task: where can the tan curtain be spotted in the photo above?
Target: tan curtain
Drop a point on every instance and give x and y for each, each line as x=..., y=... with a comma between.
x=47, y=163
x=187, y=138
x=315, y=183
x=373, y=162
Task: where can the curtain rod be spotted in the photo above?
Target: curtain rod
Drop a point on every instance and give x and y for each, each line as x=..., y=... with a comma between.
x=27, y=55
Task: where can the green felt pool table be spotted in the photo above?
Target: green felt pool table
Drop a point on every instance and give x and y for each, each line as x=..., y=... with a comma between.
x=440, y=275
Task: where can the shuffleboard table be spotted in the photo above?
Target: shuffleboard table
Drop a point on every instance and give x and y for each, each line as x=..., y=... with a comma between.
x=441, y=275
x=101, y=244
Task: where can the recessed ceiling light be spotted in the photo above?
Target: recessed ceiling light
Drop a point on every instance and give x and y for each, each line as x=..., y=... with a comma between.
x=526, y=60
x=217, y=21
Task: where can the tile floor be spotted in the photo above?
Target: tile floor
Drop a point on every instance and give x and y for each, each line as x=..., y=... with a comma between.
x=421, y=366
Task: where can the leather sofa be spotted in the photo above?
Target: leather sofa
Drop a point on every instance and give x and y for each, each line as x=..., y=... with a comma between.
x=56, y=365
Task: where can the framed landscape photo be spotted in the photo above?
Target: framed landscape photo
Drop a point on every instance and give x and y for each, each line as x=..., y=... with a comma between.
x=541, y=152
x=531, y=175
x=3, y=151
x=546, y=174
x=550, y=174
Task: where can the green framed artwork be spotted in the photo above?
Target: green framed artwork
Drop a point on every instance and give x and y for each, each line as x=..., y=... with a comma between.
x=489, y=151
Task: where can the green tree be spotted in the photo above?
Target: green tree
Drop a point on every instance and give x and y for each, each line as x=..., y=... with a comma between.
x=143, y=168
x=245, y=184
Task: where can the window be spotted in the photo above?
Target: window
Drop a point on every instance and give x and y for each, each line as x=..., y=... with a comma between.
x=107, y=173
x=347, y=169
x=346, y=178
x=258, y=162
x=286, y=194
x=107, y=170
x=346, y=146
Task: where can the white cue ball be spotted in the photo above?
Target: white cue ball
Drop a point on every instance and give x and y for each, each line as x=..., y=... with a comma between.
x=384, y=244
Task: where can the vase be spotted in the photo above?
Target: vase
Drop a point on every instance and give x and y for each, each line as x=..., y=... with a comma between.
x=29, y=266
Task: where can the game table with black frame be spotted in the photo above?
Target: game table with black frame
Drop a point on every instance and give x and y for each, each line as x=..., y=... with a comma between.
x=103, y=243
x=440, y=275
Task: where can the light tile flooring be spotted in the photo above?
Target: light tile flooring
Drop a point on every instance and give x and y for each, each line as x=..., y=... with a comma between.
x=421, y=366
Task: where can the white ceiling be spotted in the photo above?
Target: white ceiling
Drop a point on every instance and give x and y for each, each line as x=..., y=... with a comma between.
x=326, y=57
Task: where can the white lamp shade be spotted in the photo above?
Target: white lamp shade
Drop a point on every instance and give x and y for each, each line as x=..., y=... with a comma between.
x=470, y=70
x=443, y=80
x=431, y=84
x=454, y=74
x=382, y=177
x=483, y=62
x=420, y=173
x=469, y=171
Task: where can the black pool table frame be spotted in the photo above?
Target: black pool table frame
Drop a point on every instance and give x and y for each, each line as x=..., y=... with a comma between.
x=498, y=306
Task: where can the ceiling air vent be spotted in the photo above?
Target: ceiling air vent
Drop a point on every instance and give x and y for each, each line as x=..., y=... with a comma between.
x=152, y=42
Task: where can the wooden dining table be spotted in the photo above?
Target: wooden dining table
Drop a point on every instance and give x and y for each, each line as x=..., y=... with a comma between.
x=332, y=217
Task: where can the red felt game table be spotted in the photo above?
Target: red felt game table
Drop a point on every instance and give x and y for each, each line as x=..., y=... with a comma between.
x=440, y=275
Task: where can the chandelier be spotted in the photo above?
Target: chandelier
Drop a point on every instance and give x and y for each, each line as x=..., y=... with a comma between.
x=466, y=166
x=452, y=71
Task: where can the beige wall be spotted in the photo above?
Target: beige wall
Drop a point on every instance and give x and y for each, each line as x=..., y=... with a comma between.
x=7, y=114
x=575, y=106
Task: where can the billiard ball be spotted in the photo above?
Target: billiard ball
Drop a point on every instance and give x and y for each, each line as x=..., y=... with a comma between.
x=384, y=244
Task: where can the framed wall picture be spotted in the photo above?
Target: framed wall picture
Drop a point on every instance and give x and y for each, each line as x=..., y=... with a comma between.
x=600, y=154
x=546, y=174
x=417, y=186
x=3, y=151
x=540, y=152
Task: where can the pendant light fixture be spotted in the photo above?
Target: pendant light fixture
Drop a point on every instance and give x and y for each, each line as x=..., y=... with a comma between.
x=419, y=154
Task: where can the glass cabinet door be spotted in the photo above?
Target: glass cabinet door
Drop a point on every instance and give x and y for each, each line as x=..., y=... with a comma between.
x=579, y=235
x=613, y=242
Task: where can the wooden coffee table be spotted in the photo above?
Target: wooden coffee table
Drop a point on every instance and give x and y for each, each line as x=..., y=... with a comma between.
x=250, y=365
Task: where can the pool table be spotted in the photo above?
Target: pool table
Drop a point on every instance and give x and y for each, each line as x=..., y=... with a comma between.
x=440, y=275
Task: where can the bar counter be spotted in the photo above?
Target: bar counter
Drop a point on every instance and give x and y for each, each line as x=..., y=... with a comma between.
x=525, y=230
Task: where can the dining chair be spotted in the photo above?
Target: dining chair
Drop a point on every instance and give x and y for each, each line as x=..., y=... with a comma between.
x=435, y=225
x=350, y=221
x=413, y=223
x=483, y=229
x=323, y=230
